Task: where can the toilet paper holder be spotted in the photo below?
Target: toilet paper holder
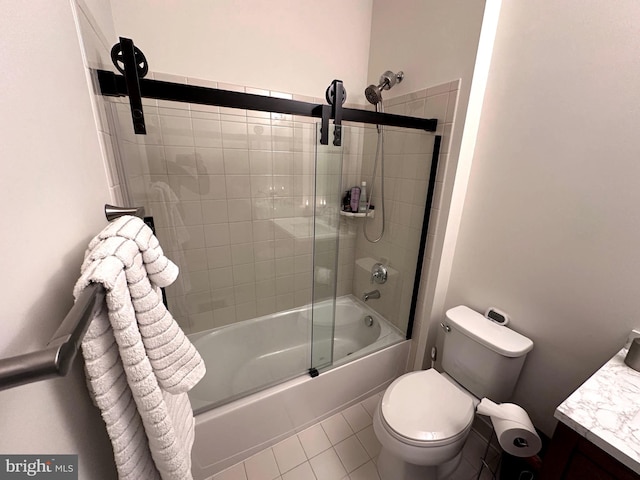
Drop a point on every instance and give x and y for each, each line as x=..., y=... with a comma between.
x=520, y=442
x=483, y=461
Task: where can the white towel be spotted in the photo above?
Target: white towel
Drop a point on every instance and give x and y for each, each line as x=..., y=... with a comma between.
x=139, y=363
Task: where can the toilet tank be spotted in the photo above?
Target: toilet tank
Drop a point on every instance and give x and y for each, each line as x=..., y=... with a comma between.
x=482, y=356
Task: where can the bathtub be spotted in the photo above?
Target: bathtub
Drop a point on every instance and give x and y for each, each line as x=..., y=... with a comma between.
x=269, y=356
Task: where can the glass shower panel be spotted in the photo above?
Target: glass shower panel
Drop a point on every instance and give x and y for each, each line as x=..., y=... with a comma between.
x=232, y=196
x=226, y=188
x=325, y=247
x=407, y=165
x=248, y=205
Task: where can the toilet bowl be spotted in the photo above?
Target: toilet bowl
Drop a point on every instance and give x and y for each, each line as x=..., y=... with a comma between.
x=422, y=423
x=424, y=417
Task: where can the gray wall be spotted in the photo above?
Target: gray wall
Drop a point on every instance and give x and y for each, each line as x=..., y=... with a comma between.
x=52, y=188
x=550, y=228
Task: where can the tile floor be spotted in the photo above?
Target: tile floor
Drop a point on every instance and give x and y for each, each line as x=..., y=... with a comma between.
x=342, y=447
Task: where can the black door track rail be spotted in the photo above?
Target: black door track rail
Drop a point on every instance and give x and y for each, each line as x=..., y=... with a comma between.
x=132, y=84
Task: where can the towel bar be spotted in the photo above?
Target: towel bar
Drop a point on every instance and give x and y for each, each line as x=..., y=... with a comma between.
x=57, y=357
x=112, y=212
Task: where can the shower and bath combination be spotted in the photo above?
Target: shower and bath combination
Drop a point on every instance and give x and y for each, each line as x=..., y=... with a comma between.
x=373, y=93
x=254, y=294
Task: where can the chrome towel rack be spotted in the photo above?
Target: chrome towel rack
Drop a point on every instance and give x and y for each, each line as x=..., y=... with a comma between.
x=57, y=357
x=112, y=212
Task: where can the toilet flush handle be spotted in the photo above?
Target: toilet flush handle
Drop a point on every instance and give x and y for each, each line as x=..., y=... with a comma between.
x=445, y=327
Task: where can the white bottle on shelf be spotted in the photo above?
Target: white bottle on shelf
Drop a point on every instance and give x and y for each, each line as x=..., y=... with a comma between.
x=362, y=204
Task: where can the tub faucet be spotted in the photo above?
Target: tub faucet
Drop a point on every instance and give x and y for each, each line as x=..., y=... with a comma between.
x=372, y=294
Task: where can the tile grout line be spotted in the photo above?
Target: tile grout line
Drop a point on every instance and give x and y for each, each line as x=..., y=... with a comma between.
x=465, y=458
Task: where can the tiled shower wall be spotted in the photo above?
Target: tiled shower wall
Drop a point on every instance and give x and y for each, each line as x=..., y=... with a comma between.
x=408, y=157
x=279, y=149
x=232, y=195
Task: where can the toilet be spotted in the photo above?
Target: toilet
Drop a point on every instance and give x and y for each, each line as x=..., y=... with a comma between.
x=424, y=417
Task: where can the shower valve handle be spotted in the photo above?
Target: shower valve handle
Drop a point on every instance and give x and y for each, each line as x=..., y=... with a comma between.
x=379, y=274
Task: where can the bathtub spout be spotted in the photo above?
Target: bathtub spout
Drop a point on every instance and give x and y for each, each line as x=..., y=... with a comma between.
x=372, y=294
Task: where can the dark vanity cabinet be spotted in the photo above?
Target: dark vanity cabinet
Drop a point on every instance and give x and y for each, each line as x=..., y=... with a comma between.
x=573, y=457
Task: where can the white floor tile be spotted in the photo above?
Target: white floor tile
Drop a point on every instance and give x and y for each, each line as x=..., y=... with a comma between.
x=301, y=472
x=368, y=471
x=327, y=466
x=474, y=447
x=314, y=440
x=357, y=417
x=371, y=403
x=352, y=457
x=233, y=473
x=486, y=475
x=465, y=471
x=369, y=441
x=262, y=466
x=289, y=454
x=352, y=454
x=336, y=428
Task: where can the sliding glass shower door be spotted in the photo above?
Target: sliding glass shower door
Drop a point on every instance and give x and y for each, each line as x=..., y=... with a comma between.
x=326, y=227
x=246, y=205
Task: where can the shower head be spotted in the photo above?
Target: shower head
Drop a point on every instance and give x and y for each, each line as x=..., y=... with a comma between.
x=387, y=80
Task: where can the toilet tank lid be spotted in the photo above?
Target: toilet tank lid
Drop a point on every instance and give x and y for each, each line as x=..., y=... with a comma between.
x=498, y=338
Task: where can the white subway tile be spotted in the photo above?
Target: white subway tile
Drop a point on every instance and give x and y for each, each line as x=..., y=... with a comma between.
x=236, y=162
x=239, y=209
x=238, y=186
x=260, y=162
x=244, y=274
x=219, y=256
x=176, y=131
x=217, y=235
x=212, y=187
x=265, y=270
x=245, y=311
x=209, y=161
x=234, y=135
x=220, y=277
x=207, y=133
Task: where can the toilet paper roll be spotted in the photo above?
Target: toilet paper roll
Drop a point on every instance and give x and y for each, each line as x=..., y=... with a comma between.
x=516, y=434
x=516, y=438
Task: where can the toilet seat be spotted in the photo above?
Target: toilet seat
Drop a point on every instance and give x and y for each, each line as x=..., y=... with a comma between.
x=423, y=408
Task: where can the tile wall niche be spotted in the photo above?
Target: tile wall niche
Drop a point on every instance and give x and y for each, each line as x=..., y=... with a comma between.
x=408, y=156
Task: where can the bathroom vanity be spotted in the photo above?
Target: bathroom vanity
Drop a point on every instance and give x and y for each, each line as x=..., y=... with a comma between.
x=598, y=436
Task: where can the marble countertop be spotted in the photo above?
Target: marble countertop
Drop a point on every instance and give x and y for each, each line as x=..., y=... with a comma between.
x=606, y=411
